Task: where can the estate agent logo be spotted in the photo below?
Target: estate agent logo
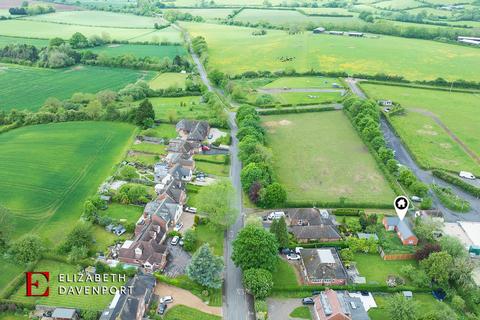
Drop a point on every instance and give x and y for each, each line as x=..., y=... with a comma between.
x=30, y=283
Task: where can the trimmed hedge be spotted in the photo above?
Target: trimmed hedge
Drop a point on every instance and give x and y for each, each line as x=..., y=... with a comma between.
x=474, y=191
x=347, y=212
x=352, y=287
x=451, y=200
x=322, y=204
x=336, y=244
x=418, y=85
x=269, y=106
x=299, y=110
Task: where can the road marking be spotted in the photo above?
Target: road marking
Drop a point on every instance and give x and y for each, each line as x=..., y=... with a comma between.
x=241, y=291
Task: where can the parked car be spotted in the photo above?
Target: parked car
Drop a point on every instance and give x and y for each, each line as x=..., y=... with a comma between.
x=285, y=251
x=162, y=308
x=293, y=256
x=276, y=215
x=298, y=249
x=416, y=199
x=191, y=209
x=166, y=299
x=205, y=148
x=178, y=226
x=467, y=175
x=175, y=240
x=307, y=301
x=265, y=218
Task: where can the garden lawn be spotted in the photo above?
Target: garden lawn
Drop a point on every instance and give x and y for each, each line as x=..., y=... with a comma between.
x=319, y=157
x=376, y=270
x=175, y=108
x=235, y=50
x=151, y=148
x=186, y=313
x=163, y=130
x=214, y=169
x=302, y=312
x=27, y=87
x=143, y=158
x=117, y=211
x=13, y=316
x=140, y=50
x=208, y=234
x=99, y=19
x=104, y=239
x=284, y=275
x=82, y=301
x=62, y=164
x=303, y=82
x=429, y=142
x=168, y=80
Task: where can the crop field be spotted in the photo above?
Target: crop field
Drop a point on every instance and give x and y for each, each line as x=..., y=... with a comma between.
x=10, y=40
x=61, y=165
x=140, y=51
x=433, y=145
x=235, y=50
x=398, y=4
x=306, y=97
x=313, y=158
x=179, y=108
x=303, y=82
x=332, y=11
x=28, y=88
x=207, y=14
x=99, y=19
x=168, y=34
x=168, y=80
x=83, y=301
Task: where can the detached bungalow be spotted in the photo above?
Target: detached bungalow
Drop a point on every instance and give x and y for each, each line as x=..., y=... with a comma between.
x=323, y=267
x=402, y=229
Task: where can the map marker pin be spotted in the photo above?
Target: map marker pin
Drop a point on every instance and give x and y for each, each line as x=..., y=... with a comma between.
x=401, y=205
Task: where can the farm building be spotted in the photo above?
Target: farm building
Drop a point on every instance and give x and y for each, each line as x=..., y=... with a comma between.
x=308, y=224
x=132, y=305
x=323, y=266
x=336, y=33
x=355, y=34
x=64, y=314
x=469, y=40
x=332, y=305
x=402, y=229
x=319, y=30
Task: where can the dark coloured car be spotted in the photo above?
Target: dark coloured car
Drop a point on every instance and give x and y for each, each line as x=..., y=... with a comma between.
x=285, y=251
x=316, y=292
x=162, y=308
x=307, y=301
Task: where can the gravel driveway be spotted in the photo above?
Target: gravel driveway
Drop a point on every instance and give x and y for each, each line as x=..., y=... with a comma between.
x=178, y=260
x=279, y=309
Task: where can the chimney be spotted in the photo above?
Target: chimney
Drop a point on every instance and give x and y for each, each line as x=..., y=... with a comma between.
x=138, y=253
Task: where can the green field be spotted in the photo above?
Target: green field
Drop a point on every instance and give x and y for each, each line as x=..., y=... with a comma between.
x=140, y=51
x=171, y=107
x=186, y=313
x=13, y=316
x=164, y=130
x=319, y=157
x=49, y=170
x=10, y=40
x=151, y=148
x=28, y=88
x=231, y=48
x=168, y=80
x=306, y=97
x=88, y=302
x=377, y=270
x=9, y=270
x=303, y=82
x=118, y=211
x=207, y=14
x=398, y=4
x=218, y=170
x=99, y=19
x=429, y=142
x=168, y=34
x=284, y=275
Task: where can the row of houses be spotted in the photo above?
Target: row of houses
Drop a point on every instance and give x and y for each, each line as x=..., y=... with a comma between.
x=147, y=249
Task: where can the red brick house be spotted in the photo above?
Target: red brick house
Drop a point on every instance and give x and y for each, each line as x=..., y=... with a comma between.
x=402, y=229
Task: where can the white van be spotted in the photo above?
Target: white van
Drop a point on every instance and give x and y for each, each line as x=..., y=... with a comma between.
x=466, y=175
x=276, y=215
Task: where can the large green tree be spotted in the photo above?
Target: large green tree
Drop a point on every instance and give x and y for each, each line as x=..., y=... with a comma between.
x=258, y=282
x=27, y=249
x=437, y=266
x=217, y=201
x=78, y=40
x=255, y=247
x=274, y=195
x=80, y=236
x=254, y=172
x=205, y=268
x=281, y=233
x=145, y=115
x=399, y=308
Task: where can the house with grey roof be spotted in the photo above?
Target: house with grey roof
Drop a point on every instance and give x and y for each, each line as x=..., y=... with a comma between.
x=64, y=314
x=132, y=305
x=338, y=305
x=193, y=130
x=402, y=228
x=183, y=146
x=323, y=267
x=309, y=224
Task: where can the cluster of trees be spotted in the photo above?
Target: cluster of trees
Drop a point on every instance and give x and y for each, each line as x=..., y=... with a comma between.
x=400, y=308
x=31, y=11
x=199, y=45
x=257, y=176
x=255, y=251
x=49, y=57
x=365, y=117
x=174, y=15
x=131, y=193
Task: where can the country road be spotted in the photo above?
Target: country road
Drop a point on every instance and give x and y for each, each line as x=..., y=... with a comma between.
x=237, y=305
x=404, y=158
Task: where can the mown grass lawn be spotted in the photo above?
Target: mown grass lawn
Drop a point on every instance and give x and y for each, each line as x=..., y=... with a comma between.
x=235, y=50
x=307, y=97
x=175, y=108
x=168, y=80
x=181, y=312
x=13, y=316
x=212, y=236
x=427, y=140
x=303, y=82
x=118, y=211
x=9, y=270
x=319, y=157
x=143, y=158
x=164, y=130
x=83, y=301
x=215, y=169
x=103, y=239
x=284, y=275
x=302, y=312
x=147, y=147
x=376, y=270
x=62, y=164
x=140, y=50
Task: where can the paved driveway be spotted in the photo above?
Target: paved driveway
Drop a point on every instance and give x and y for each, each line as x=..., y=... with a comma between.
x=178, y=260
x=181, y=296
x=279, y=309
